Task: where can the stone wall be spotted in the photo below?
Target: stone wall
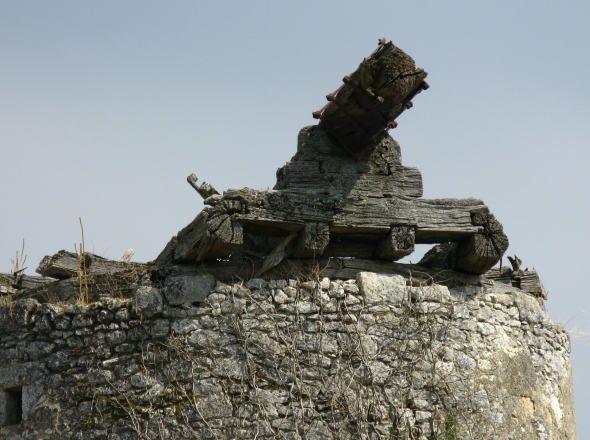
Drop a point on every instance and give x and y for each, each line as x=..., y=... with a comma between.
x=371, y=357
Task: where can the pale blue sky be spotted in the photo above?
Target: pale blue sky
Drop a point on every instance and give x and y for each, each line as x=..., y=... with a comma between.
x=107, y=106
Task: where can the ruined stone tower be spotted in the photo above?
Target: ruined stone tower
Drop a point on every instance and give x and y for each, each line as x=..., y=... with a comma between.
x=283, y=314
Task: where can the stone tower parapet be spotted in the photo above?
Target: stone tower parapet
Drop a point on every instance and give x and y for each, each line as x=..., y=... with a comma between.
x=376, y=356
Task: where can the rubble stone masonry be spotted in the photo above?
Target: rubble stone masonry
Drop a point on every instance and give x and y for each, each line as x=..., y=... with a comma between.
x=376, y=357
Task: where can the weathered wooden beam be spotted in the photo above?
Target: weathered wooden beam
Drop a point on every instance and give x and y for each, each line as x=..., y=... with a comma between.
x=11, y=283
x=212, y=234
x=166, y=257
x=480, y=252
x=205, y=190
x=436, y=220
x=499, y=275
x=312, y=240
x=398, y=243
x=525, y=280
x=441, y=256
x=531, y=283
x=477, y=253
x=120, y=284
x=277, y=255
x=66, y=264
x=311, y=175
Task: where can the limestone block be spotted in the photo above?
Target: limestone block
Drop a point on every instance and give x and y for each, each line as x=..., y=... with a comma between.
x=188, y=289
x=31, y=394
x=529, y=309
x=147, y=301
x=185, y=326
x=381, y=289
x=160, y=328
x=256, y=283
x=434, y=293
x=18, y=375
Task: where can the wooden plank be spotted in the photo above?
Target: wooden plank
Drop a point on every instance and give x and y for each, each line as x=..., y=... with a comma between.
x=312, y=240
x=12, y=283
x=525, y=280
x=212, y=234
x=276, y=256
x=531, y=283
x=482, y=251
x=166, y=257
x=436, y=220
x=398, y=243
x=441, y=256
x=65, y=264
x=500, y=275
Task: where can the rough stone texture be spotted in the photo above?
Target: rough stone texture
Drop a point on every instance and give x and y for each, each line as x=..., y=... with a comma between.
x=188, y=289
x=377, y=358
x=148, y=301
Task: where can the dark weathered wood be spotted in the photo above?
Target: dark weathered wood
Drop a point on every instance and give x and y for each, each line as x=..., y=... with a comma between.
x=515, y=262
x=436, y=220
x=215, y=234
x=11, y=283
x=500, y=275
x=441, y=256
x=205, y=190
x=480, y=252
x=531, y=283
x=211, y=235
x=526, y=280
x=221, y=238
x=166, y=257
x=312, y=240
x=277, y=255
x=398, y=243
x=477, y=253
x=371, y=98
x=121, y=284
x=66, y=264
x=369, y=204
x=321, y=165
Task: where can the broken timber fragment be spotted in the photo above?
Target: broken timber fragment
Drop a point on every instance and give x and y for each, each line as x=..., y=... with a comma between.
x=531, y=283
x=66, y=264
x=276, y=256
x=14, y=282
x=398, y=243
x=525, y=280
x=477, y=253
x=515, y=262
x=312, y=240
x=127, y=255
x=480, y=252
x=205, y=190
x=212, y=234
